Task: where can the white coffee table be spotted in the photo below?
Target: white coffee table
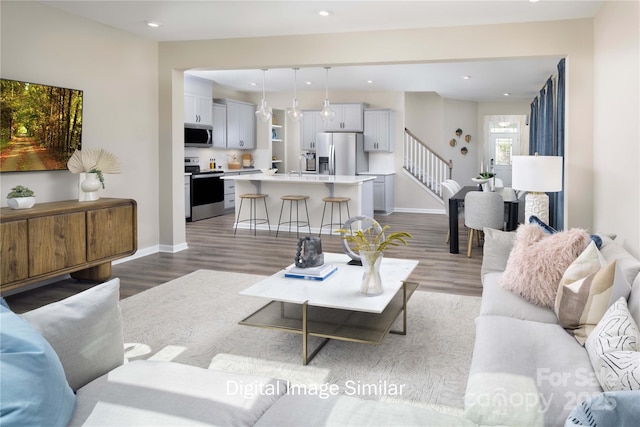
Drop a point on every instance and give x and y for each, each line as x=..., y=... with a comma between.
x=334, y=308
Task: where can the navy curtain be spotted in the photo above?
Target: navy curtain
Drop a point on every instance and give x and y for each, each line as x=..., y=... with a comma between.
x=533, y=123
x=546, y=135
x=558, y=198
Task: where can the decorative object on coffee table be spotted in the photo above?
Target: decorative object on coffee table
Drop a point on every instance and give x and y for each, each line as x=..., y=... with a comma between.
x=371, y=243
x=309, y=253
x=366, y=222
x=371, y=281
x=91, y=164
x=21, y=197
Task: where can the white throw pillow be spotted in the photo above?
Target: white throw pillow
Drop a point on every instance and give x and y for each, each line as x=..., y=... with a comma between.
x=614, y=349
x=85, y=330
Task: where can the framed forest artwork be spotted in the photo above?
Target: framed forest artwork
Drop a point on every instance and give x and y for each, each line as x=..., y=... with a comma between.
x=40, y=126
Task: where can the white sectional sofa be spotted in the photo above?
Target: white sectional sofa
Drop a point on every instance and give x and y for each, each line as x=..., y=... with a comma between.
x=63, y=364
x=85, y=331
x=526, y=369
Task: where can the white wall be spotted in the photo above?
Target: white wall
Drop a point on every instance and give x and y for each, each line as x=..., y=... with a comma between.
x=126, y=80
x=571, y=38
x=118, y=74
x=462, y=115
x=616, y=154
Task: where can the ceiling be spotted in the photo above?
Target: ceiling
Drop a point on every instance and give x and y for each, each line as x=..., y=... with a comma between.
x=212, y=19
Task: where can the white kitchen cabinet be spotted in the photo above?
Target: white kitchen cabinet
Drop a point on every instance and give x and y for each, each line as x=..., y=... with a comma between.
x=197, y=109
x=378, y=130
x=219, y=135
x=311, y=125
x=241, y=125
x=230, y=188
x=383, y=193
x=348, y=118
x=230, y=193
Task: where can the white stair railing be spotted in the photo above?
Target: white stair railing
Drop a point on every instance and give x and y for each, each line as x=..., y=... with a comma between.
x=427, y=167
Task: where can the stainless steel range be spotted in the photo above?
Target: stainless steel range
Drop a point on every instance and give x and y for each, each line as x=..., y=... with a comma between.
x=207, y=190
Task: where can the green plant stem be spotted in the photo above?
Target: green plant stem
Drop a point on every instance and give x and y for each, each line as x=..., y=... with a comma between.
x=98, y=172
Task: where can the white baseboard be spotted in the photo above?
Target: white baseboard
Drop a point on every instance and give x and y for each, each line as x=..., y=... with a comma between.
x=426, y=211
x=152, y=250
x=139, y=254
x=173, y=249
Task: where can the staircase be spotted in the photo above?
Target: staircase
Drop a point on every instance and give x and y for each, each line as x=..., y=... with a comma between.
x=424, y=166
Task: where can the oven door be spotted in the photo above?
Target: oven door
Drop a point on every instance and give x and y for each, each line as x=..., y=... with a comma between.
x=207, y=196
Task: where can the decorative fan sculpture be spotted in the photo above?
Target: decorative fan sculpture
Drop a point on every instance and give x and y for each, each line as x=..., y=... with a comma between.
x=366, y=223
x=94, y=160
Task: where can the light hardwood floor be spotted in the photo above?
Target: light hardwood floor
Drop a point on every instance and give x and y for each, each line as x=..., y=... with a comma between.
x=213, y=246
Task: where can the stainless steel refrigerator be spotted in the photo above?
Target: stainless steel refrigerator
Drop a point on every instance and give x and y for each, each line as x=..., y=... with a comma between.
x=341, y=154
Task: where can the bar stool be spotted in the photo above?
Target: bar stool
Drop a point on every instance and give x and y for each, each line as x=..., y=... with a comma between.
x=297, y=222
x=253, y=219
x=333, y=201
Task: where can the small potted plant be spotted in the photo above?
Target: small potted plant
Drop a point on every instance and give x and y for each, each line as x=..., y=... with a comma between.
x=21, y=197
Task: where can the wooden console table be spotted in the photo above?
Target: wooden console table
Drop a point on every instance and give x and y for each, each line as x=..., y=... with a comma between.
x=51, y=239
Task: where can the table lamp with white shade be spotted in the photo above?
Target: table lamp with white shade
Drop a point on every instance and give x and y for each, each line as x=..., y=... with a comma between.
x=537, y=175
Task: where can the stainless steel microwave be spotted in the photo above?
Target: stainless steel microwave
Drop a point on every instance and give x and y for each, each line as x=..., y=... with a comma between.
x=196, y=135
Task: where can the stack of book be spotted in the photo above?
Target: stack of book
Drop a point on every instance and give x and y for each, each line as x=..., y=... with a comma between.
x=311, y=273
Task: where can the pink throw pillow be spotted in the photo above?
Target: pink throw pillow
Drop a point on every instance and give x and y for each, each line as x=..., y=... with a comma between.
x=538, y=260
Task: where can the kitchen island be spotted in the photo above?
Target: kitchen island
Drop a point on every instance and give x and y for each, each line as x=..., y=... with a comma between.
x=358, y=188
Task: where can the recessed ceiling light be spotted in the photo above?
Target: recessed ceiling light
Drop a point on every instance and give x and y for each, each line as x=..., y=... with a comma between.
x=466, y=77
x=506, y=94
x=307, y=82
x=325, y=12
x=253, y=84
x=153, y=24
x=369, y=81
x=533, y=1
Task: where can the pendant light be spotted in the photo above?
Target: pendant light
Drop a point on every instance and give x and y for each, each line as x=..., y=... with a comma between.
x=263, y=113
x=327, y=113
x=294, y=112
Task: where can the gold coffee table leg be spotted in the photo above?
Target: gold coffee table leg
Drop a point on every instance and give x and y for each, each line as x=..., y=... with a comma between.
x=306, y=357
x=404, y=311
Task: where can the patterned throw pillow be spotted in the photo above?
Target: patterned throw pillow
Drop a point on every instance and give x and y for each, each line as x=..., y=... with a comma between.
x=587, y=289
x=614, y=349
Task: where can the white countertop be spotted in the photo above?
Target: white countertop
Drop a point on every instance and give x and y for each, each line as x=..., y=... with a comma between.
x=376, y=173
x=304, y=179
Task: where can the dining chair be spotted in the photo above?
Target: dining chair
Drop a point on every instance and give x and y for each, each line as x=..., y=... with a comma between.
x=449, y=190
x=482, y=209
x=456, y=186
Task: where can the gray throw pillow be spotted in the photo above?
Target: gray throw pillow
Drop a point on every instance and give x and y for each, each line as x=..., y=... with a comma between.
x=85, y=330
x=497, y=247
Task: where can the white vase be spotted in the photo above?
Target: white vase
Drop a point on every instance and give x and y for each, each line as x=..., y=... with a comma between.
x=89, y=185
x=371, y=281
x=21, y=202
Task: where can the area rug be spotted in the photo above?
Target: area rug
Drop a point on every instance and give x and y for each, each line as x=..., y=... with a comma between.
x=194, y=320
